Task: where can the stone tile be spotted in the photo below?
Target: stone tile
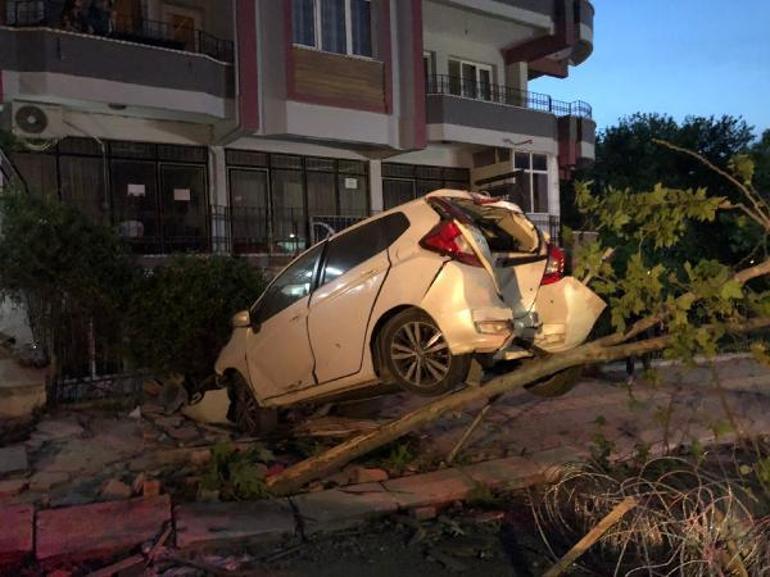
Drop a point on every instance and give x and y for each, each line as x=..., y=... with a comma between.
x=16, y=534
x=551, y=462
x=213, y=524
x=434, y=488
x=342, y=508
x=508, y=473
x=12, y=487
x=59, y=428
x=13, y=459
x=45, y=480
x=100, y=529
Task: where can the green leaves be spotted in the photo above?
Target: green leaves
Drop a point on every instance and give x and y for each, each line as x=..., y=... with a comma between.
x=742, y=166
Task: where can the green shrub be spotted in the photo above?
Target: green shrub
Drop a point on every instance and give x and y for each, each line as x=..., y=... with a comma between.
x=59, y=264
x=179, y=315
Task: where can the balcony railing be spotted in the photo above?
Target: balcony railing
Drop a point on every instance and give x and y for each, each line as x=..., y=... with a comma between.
x=49, y=13
x=484, y=91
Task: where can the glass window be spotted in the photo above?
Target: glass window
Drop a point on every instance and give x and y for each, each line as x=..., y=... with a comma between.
x=484, y=157
x=288, y=210
x=540, y=192
x=395, y=192
x=248, y=209
x=353, y=195
x=292, y=285
x=82, y=185
x=454, y=77
x=539, y=162
x=135, y=203
x=184, y=207
x=38, y=171
x=361, y=24
x=303, y=22
x=321, y=194
x=522, y=192
x=522, y=161
x=333, y=32
x=360, y=244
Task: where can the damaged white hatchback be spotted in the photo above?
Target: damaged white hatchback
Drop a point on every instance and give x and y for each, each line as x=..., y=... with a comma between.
x=408, y=297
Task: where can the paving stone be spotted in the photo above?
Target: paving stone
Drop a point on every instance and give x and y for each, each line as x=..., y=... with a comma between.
x=213, y=524
x=364, y=475
x=342, y=508
x=16, y=534
x=508, y=473
x=12, y=487
x=434, y=488
x=98, y=530
x=552, y=462
x=45, y=480
x=115, y=489
x=59, y=428
x=13, y=459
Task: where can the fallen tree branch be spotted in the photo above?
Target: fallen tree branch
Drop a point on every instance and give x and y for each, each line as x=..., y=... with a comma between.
x=469, y=431
x=591, y=537
x=294, y=477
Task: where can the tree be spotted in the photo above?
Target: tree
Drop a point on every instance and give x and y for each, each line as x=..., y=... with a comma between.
x=696, y=302
x=628, y=158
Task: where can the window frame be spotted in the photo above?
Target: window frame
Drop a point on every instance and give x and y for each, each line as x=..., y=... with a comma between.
x=530, y=173
x=477, y=80
x=318, y=32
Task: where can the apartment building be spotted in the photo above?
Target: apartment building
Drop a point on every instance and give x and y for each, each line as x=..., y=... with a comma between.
x=257, y=126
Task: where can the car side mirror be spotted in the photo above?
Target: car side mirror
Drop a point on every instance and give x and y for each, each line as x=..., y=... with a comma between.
x=254, y=321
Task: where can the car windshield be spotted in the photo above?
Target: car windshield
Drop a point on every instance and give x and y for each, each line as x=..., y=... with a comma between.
x=504, y=229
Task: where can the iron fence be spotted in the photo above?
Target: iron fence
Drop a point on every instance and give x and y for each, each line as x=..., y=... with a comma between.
x=48, y=13
x=484, y=91
x=547, y=223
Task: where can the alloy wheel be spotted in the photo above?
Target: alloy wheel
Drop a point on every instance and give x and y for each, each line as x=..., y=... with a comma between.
x=420, y=354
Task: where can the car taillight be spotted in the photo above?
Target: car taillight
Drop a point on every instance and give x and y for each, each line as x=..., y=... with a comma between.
x=445, y=238
x=554, y=268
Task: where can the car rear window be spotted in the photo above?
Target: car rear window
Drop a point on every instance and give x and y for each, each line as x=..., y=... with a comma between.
x=505, y=230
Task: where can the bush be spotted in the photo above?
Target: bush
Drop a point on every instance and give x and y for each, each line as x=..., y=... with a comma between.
x=59, y=264
x=179, y=315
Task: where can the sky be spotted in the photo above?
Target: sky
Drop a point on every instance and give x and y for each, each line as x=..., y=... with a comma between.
x=680, y=57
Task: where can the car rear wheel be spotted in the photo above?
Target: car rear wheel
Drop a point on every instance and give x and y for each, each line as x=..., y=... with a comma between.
x=417, y=356
x=245, y=411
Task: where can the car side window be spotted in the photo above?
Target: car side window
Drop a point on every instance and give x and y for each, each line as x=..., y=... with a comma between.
x=293, y=284
x=360, y=244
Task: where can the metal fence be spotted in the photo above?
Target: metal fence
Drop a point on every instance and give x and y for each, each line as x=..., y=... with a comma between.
x=547, y=223
x=48, y=13
x=484, y=91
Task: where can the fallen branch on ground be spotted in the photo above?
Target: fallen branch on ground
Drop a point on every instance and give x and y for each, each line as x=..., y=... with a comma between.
x=591, y=537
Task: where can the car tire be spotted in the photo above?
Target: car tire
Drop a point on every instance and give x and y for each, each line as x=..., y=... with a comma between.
x=249, y=417
x=556, y=385
x=417, y=356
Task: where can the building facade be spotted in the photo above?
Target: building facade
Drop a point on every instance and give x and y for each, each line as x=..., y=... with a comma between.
x=256, y=126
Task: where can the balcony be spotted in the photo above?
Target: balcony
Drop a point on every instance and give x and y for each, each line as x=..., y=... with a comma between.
x=48, y=14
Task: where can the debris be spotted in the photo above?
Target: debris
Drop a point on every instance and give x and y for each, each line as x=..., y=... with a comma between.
x=115, y=489
x=200, y=457
x=591, y=537
x=172, y=396
x=155, y=550
x=212, y=408
x=207, y=568
x=152, y=387
x=115, y=568
x=43, y=481
x=330, y=426
x=364, y=475
x=151, y=488
x=12, y=487
x=136, y=413
x=13, y=459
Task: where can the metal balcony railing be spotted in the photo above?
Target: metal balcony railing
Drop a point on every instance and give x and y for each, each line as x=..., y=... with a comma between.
x=468, y=88
x=49, y=13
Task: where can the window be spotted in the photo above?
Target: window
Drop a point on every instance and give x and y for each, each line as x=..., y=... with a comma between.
x=184, y=207
x=82, y=185
x=288, y=208
x=531, y=188
x=404, y=182
x=360, y=244
x=339, y=26
x=248, y=210
x=429, y=64
x=470, y=79
x=294, y=284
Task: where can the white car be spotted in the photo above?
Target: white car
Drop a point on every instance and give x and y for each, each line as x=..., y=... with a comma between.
x=409, y=297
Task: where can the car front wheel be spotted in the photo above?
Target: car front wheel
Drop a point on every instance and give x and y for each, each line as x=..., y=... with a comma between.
x=245, y=411
x=417, y=355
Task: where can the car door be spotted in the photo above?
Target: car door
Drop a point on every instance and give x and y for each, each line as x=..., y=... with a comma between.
x=278, y=349
x=354, y=267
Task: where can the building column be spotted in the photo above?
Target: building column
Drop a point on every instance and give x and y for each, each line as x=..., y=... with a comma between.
x=516, y=75
x=375, y=186
x=219, y=201
x=554, y=198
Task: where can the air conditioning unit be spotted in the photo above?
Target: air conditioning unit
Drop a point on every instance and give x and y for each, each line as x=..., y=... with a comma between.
x=30, y=120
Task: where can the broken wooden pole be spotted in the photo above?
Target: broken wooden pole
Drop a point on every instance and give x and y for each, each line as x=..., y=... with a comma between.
x=591, y=537
x=469, y=431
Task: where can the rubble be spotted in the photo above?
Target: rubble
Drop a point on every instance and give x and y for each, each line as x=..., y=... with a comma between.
x=115, y=489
